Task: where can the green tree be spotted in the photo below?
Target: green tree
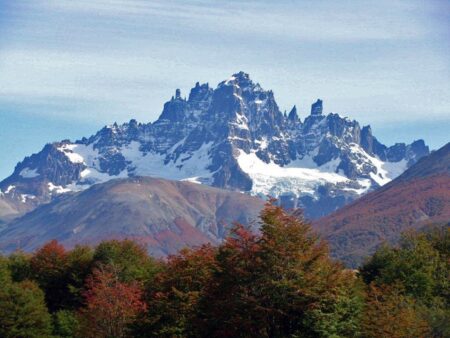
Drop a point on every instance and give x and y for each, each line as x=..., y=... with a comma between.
x=306, y=292
x=5, y=275
x=420, y=266
x=79, y=265
x=22, y=311
x=415, y=263
x=19, y=266
x=129, y=259
x=65, y=324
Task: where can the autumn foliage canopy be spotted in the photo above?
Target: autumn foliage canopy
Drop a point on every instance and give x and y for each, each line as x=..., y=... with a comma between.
x=277, y=282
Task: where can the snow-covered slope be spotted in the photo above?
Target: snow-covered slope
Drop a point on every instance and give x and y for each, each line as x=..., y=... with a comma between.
x=234, y=137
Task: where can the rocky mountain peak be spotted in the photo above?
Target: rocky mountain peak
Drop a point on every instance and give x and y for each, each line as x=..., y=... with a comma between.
x=293, y=116
x=233, y=136
x=201, y=92
x=317, y=107
x=240, y=79
x=242, y=84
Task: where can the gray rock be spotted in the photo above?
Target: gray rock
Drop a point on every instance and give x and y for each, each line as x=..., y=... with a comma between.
x=238, y=116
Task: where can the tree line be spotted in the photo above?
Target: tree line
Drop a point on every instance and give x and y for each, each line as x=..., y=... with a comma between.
x=279, y=282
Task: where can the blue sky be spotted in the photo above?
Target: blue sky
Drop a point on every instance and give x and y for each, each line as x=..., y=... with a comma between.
x=69, y=67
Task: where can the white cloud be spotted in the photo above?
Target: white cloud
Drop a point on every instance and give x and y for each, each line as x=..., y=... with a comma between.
x=306, y=20
x=124, y=58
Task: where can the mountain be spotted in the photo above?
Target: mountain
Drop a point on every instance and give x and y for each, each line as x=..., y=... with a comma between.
x=7, y=210
x=163, y=215
x=417, y=198
x=11, y=208
x=233, y=137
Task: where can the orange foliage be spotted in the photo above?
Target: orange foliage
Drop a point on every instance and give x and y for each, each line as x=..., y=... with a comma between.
x=389, y=313
x=111, y=305
x=51, y=258
x=49, y=267
x=175, y=292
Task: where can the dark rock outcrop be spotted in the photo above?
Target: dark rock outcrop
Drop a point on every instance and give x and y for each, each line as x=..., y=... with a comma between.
x=207, y=138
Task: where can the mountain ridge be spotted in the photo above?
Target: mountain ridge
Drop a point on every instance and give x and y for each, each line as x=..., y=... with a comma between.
x=418, y=198
x=233, y=137
x=165, y=216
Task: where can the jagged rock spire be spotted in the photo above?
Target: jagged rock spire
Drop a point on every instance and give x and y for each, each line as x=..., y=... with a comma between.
x=199, y=92
x=242, y=76
x=317, y=107
x=293, y=116
x=222, y=137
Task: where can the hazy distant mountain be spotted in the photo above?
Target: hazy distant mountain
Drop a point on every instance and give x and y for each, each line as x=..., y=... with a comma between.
x=233, y=137
x=163, y=215
x=419, y=197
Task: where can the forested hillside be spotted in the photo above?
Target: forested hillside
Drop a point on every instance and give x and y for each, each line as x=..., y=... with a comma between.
x=279, y=282
x=416, y=199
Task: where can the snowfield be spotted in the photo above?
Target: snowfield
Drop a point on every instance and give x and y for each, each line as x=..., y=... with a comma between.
x=272, y=179
x=300, y=177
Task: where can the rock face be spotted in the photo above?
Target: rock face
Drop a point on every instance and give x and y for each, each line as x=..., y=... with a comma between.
x=233, y=137
x=417, y=198
x=317, y=107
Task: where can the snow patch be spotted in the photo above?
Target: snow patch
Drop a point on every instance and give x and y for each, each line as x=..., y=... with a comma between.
x=229, y=80
x=262, y=144
x=59, y=189
x=28, y=173
x=271, y=179
x=70, y=151
x=193, y=167
x=91, y=176
x=87, y=155
x=25, y=197
x=306, y=162
x=241, y=121
x=9, y=189
x=238, y=97
x=385, y=171
x=364, y=186
x=80, y=153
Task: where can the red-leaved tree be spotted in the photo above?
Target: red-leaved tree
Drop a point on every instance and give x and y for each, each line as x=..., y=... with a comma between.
x=111, y=305
x=49, y=266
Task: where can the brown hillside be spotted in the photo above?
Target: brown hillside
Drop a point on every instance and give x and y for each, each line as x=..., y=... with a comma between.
x=163, y=215
x=419, y=197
